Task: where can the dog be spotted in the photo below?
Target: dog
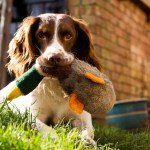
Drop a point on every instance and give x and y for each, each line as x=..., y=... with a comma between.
x=58, y=38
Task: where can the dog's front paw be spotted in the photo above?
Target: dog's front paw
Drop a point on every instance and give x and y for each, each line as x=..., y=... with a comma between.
x=88, y=137
x=43, y=129
x=48, y=131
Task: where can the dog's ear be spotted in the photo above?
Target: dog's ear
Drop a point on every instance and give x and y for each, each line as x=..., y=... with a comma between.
x=22, y=50
x=83, y=48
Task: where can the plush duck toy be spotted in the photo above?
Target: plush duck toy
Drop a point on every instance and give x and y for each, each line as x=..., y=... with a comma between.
x=89, y=89
x=25, y=84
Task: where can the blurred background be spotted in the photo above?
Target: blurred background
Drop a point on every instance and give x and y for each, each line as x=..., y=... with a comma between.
x=120, y=31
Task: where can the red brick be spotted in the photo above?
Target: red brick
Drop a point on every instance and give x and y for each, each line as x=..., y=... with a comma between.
x=87, y=2
x=100, y=21
x=106, y=54
x=95, y=10
x=110, y=27
x=106, y=14
x=114, y=3
x=118, y=59
x=90, y=19
x=88, y=10
x=122, y=25
x=118, y=13
x=109, y=7
x=75, y=11
x=123, y=43
x=82, y=10
x=76, y=2
x=98, y=30
x=115, y=76
x=105, y=33
x=126, y=88
x=113, y=38
x=119, y=32
x=126, y=70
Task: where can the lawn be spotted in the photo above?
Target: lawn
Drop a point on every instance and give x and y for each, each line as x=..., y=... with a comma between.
x=16, y=134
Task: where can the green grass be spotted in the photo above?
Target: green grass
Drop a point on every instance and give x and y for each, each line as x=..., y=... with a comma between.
x=123, y=139
x=16, y=134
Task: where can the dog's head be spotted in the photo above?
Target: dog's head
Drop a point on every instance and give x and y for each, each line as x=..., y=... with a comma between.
x=57, y=38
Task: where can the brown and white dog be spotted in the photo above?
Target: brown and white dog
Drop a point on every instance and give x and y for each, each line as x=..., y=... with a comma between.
x=58, y=38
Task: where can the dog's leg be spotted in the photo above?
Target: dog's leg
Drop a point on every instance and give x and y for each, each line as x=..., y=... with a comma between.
x=84, y=123
x=43, y=129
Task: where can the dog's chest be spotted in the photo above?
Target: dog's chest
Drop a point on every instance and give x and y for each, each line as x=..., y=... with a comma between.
x=49, y=92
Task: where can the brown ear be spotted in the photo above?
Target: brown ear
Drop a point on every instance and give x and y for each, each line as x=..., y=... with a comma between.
x=83, y=48
x=22, y=50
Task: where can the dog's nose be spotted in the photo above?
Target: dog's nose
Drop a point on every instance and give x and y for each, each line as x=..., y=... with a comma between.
x=56, y=59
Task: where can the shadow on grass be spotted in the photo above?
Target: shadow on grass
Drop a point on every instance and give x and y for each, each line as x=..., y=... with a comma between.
x=122, y=139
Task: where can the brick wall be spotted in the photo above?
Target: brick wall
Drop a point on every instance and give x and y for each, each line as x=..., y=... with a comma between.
x=121, y=36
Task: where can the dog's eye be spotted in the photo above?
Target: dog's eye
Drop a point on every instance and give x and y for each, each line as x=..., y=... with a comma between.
x=42, y=35
x=67, y=37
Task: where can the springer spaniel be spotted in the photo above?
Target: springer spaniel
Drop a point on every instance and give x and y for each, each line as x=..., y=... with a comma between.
x=58, y=38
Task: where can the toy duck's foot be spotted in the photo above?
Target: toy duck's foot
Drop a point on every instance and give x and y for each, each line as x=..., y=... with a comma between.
x=75, y=104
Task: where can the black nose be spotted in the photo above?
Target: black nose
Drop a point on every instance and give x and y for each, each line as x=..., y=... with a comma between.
x=56, y=59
